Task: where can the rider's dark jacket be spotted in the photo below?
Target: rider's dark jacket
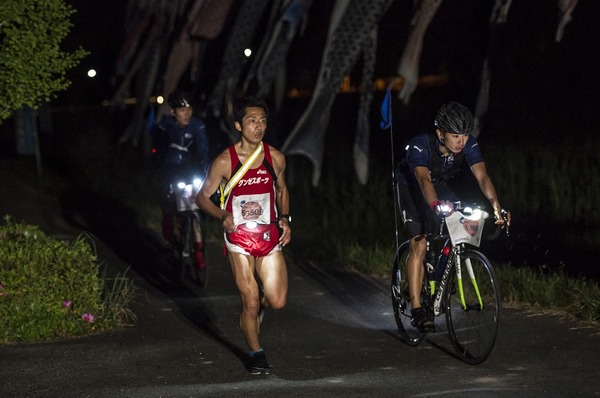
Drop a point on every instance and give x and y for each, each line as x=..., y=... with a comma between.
x=177, y=146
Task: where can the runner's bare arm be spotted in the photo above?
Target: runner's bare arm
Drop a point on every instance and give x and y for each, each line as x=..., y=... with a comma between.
x=282, y=195
x=219, y=171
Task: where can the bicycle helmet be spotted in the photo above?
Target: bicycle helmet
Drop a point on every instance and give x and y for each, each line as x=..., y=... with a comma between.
x=179, y=99
x=455, y=118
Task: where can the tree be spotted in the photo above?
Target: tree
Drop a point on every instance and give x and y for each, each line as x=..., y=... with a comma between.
x=32, y=65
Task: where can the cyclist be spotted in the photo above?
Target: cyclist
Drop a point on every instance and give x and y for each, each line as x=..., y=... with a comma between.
x=175, y=138
x=422, y=177
x=255, y=220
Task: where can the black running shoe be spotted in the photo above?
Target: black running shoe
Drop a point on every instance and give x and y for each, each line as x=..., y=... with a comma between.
x=258, y=364
x=421, y=321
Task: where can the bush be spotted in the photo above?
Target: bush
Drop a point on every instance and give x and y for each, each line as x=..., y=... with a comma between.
x=51, y=289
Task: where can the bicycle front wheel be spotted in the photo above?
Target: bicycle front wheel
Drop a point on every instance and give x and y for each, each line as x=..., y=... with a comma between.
x=401, y=302
x=199, y=271
x=473, y=303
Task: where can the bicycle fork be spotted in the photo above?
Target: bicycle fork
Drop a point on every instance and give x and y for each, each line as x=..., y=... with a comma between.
x=469, y=268
x=455, y=258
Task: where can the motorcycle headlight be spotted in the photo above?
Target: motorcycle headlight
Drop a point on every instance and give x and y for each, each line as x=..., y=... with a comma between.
x=181, y=185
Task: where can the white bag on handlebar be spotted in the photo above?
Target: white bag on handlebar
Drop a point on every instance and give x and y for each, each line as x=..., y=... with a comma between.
x=466, y=228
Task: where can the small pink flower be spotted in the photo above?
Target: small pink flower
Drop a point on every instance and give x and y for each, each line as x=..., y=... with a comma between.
x=67, y=303
x=88, y=318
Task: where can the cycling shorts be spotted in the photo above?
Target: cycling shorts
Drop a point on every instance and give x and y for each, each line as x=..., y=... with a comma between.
x=416, y=215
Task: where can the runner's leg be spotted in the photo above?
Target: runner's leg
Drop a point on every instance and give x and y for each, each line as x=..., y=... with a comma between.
x=272, y=271
x=242, y=267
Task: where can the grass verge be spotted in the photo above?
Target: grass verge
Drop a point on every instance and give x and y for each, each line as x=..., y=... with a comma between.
x=53, y=289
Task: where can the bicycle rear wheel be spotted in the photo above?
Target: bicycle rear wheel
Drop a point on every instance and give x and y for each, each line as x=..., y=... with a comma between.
x=401, y=302
x=473, y=307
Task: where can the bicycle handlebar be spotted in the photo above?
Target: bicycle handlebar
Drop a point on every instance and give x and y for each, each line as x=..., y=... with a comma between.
x=500, y=227
x=459, y=206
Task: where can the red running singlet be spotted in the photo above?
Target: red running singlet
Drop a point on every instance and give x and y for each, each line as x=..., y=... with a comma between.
x=252, y=203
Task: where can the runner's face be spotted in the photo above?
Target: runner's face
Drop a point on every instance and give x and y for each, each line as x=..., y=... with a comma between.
x=254, y=124
x=183, y=115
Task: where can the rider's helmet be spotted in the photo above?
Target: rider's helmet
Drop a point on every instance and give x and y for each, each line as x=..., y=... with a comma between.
x=454, y=118
x=179, y=99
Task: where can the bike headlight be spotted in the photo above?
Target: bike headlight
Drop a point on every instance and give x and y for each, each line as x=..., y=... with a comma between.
x=445, y=208
x=197, y=183
x=474, y=214
x=477, y=214
x=181, y=185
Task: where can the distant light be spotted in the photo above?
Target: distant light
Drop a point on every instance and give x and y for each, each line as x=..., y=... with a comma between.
x=160, y=99
x=91, y=73
x=247, y=52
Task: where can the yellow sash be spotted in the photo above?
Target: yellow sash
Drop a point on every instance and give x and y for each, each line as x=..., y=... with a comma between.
x=239, y=174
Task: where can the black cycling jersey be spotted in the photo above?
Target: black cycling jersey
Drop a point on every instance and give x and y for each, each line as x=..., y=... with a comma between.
x=423, y=150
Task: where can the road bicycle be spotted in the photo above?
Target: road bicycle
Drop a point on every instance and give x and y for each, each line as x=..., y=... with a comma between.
x=462, y=285
x=191, y=260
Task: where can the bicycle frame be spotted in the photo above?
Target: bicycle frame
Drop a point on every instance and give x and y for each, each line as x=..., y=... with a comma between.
x=191, y=248
x=439, y=290
x=187, y=218
x=455, y=260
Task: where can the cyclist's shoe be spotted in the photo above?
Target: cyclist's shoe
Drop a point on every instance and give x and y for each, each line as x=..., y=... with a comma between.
x=200, y=257
x=421, y=321
x=258, y=363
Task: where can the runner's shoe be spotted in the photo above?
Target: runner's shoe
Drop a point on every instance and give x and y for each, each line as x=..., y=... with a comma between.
x=421, y=321
x=258, y=363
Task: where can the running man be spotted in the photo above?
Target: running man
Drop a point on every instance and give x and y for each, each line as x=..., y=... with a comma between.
x=255, y=220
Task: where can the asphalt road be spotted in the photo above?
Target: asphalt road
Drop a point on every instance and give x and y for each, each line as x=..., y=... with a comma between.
x=335, y=338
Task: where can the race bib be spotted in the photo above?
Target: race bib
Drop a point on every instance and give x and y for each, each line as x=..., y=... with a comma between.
x=251, y=209
x=466, y=228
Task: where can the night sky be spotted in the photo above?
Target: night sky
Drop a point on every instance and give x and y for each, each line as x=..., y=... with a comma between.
x=537, y=84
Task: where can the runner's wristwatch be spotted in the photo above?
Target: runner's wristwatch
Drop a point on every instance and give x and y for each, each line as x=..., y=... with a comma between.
x=286, y=217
